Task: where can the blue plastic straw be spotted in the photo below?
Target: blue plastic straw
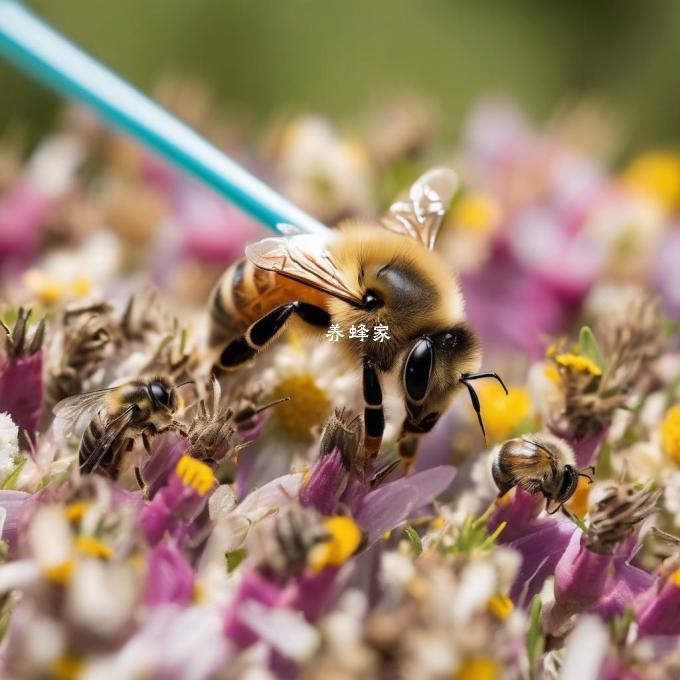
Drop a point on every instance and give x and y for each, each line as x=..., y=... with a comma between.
x=40, y=51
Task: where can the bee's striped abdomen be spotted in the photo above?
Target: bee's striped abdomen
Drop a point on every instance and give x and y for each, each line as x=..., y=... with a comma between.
x=245, y=293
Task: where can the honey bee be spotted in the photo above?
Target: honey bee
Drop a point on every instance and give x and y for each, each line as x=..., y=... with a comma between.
x=119, y=415
x=539, y=462
x=383, y=273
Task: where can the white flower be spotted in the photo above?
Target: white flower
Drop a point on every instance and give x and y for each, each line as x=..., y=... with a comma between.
x=585, y=650
x=9, y=443
x=324, y=172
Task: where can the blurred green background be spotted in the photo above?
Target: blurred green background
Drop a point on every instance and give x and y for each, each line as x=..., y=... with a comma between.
x=337, y=57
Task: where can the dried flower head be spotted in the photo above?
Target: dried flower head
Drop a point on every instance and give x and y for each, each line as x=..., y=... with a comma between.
x=87, y=331
x=18, y=342
x=212, y=432
x=617, y=514
x=592, y=390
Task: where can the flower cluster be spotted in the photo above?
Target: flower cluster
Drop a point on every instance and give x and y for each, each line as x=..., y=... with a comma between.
x=244, y=528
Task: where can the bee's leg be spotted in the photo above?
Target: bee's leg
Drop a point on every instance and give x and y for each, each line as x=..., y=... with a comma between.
x=266, y=329
x=374, y=417
x=147, y=442
x=410, y=437
x=588, y=473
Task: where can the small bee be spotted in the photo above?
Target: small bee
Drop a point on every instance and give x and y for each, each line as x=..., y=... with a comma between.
x=538, y=462
x=383, y=273
x=118, y=416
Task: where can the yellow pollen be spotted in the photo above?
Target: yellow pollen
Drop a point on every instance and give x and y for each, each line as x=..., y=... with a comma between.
x=477, y=212
x=345, y=538
x=578, y=363
x=552, y=374
x=87, y=545
x=195, y=474
x=656, y=174
x=438, y=522
x=578, y=503
x=76, y=511
x=500, y=606
x=675, y=578
x=61, y=573
x=66, y=668
x=502, y=413
x=670, y=433
x=308, y=406
x=481, y=668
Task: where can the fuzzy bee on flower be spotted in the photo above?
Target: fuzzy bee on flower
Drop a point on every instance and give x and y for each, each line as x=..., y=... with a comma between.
x=368, y=274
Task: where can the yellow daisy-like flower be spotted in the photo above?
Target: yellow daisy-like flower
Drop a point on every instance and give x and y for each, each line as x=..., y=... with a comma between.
x=578, y=363
x=656, y=174
x=503, y=413
x=670, y=433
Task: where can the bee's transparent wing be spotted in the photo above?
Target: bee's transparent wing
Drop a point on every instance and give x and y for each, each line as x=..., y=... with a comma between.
x=113, y=428
x=72, y=409
x=305, y=258
x=420, y=214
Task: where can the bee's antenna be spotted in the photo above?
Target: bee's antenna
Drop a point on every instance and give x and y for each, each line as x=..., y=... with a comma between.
x=276, y=402
x=475, y=405
x=476, y=376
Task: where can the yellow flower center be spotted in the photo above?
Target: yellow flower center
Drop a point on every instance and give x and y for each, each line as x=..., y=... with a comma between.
x=578, y=363
x=90, y=546
x=670, y=433
x=308, y=406
x=76, y=511
x=502, y=413
x=195, y=474
x=656, y=174
x=66, y=667
x=481, y=668
x=345, y=538
x=500, y=606
x=477, y=212
x=48, y=290
x=578, y=503
x=60, y=573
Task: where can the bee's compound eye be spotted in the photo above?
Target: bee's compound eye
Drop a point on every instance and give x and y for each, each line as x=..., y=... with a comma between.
x=371, y=301
x=418, y=369
x=161, y=393
x=569, y=484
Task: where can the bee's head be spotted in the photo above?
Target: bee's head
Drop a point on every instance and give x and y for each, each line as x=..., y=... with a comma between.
x=568, y=481
x=435, y=367
x=163, y=394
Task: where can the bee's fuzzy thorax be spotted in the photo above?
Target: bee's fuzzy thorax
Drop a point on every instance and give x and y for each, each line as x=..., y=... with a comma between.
x=554, y=443
x=363, y=250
